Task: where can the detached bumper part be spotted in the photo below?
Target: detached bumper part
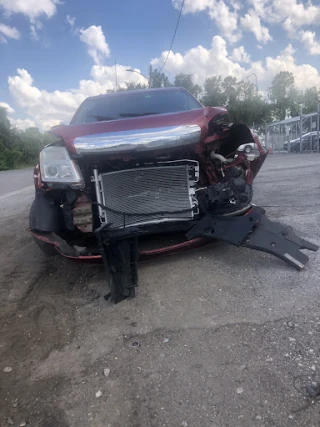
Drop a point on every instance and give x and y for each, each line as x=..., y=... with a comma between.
x=120, y=259
x=255, y=231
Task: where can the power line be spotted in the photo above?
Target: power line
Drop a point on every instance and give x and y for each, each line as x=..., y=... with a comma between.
x=174, y=36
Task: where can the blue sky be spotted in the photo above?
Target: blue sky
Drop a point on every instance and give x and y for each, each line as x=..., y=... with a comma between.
x=65, y=51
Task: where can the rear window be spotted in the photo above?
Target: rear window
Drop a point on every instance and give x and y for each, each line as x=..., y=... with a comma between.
x=134, y=104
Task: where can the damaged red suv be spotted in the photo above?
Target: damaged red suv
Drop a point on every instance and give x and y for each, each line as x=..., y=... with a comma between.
x=150, y=163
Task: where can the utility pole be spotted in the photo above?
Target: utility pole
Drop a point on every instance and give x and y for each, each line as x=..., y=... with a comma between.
x=266, y=142
x=318, y=124
x=301, y=124
x=290, y=139
x=150, y=76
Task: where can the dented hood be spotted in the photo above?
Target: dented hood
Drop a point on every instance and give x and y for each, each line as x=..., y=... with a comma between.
x=200, y=117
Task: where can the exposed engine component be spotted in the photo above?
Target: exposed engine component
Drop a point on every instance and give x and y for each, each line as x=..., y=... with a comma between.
x=215, y=156
x=230, y=195
x=82, y=214
x=68, y=201
x=77, y=212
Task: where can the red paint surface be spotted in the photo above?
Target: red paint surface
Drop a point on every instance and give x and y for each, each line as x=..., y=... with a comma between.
x=143, y=255
x=200, y=117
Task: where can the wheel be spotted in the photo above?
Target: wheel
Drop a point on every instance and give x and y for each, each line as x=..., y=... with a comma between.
x=247, y=149
x=46, y=248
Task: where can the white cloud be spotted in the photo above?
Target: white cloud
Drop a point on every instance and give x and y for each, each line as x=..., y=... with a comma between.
x=34, y=28
x=71, y=20
x=94, y=38
x=235, y=4
x=224, y=16
x=193, y=6
x=33, y=33
x=251, y=22
x=305, y=75
x=308, y=38
x=291, y=14
x=47, y=109
x=226, y=21
x=22, y=123
x=18, y=123
x=9, y=109
x=40, y=104
x=239, y=54
x=7, y=32
x=33, y=9
x=203, y=63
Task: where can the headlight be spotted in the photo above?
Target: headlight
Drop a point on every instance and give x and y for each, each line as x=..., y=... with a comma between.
x=57, y=167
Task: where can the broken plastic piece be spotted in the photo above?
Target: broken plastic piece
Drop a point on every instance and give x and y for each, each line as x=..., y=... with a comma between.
x=254, y=230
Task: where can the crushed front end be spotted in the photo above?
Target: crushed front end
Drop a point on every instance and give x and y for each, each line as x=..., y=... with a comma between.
x=159, y=179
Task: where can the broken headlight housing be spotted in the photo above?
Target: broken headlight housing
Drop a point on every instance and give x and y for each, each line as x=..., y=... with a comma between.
x=57, y=167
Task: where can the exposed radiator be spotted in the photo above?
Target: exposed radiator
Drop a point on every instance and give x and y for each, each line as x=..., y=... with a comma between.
x=148, y=195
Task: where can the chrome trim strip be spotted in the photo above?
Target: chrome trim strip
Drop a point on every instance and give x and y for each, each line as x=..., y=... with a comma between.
x=139, y=140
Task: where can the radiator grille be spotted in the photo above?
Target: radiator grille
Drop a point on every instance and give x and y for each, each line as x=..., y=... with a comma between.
x=148, y=195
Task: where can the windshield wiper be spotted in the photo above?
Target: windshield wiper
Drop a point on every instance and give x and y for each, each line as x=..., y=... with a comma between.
x=107, y=118
x=135, y=114
x=103, y=118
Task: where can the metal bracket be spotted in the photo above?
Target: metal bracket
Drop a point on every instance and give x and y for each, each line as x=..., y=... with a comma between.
x=254, y=230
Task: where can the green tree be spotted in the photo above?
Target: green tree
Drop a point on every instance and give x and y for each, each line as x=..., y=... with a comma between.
x=32, y=142
x=310, y=99
x=6, y=143
x=230, y=86
x=159, y=79
x=214, y=94
x=132, y=86
x=19, y=147
x=239, y=97
x=186, y=81
x=4, y=121
x=284, y=95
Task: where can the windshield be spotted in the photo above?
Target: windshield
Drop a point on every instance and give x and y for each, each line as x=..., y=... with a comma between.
x=134, y=104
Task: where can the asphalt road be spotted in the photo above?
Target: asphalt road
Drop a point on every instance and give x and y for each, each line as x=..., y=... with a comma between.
x=16, y=180
x=216, y=337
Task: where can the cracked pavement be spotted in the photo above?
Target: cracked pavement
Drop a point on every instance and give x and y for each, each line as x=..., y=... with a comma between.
x=216, y=337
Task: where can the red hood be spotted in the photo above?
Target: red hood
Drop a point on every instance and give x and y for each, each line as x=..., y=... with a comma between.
x=200, y=117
